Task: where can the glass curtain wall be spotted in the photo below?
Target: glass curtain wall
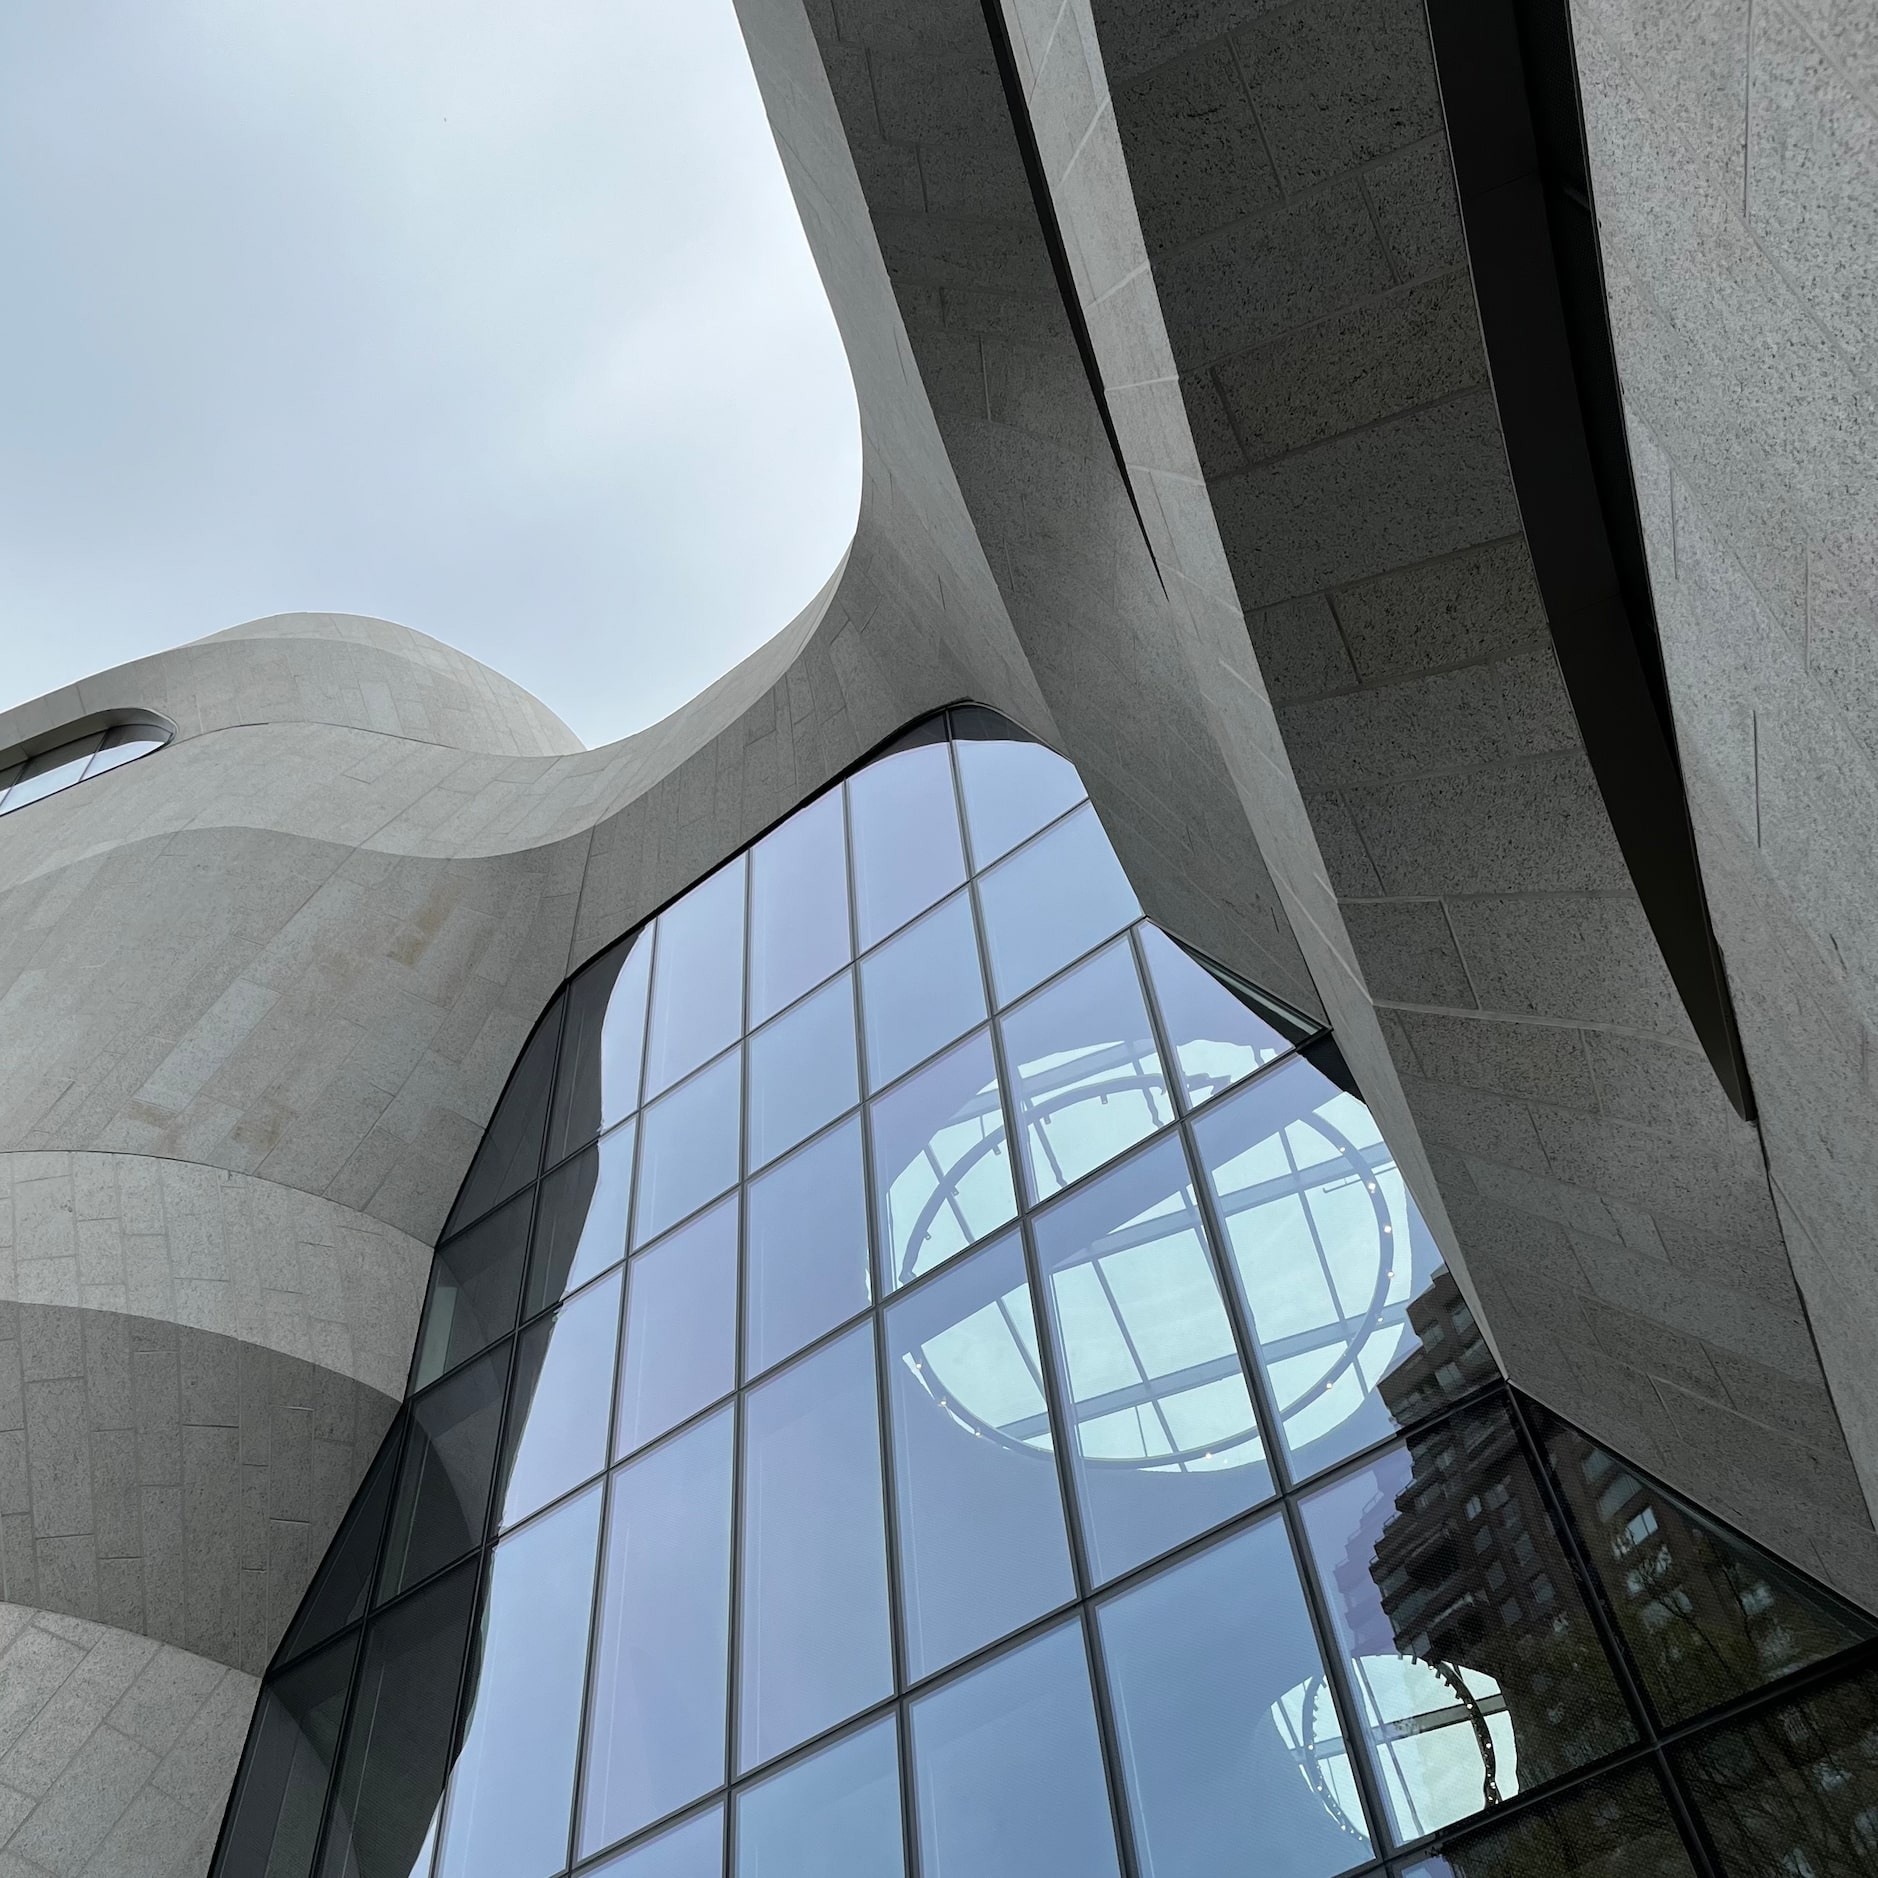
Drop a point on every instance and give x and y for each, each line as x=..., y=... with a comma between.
x=925, y=1376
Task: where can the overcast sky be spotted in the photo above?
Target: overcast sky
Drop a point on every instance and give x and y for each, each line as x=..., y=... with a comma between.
x=495, y=319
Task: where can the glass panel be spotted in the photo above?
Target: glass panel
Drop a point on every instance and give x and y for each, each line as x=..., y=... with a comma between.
x=922, y=991
x=681, y=1327
x=808, y=1247
x=1479, y=1673
x=598, y=1081
x=1707, y=1614
x=834, y=1814
x=655, y=1733
x=1051, y=902
x=1794, y=1794
x=124, y=745
x=1230, y=1744
x=1012, y=787
x=1010, y=1769
x=556, y=1435
x=693, y=1850
x=1613, y=1828
x=443, y=1480
x=1089, y=1080
x=46, y=775
x=475, y=1287
x=8, y=777
x=397, y=1750
x=340, y=1591
x=905, y=822
x=512, y=1789
x=689, y=1151
x=1331, y=1256
x=813, y=1632
x=1166, y=1442
x=273, y=1828
x=942, y=1179
x=580, y=1220
x=802, y=1071
x=982, y=1545
x=697, y=979
x=510, y=1154
x=798, y=907
x=1217, y=1036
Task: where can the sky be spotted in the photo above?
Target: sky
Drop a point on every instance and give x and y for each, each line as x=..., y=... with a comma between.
x=493, y=319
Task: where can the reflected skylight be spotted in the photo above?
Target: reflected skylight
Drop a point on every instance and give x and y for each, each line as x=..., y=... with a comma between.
x=78, y=759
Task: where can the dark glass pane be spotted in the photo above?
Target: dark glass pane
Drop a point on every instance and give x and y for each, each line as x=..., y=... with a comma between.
x=833, y=1814
x=273, y=1827
x=1794, y=1794
x=510, y=1154
x=397, y=1749
x=1230, y=1743
x=942, y=1178
x=697, y=979
x=808, y=1247
x=1009, y=1769
x=798, y=907
x=1166, y=1443
x=655, y=1732
x=922, y=990
x=813, y=1634
x=443, y=1479
x=580, y=1220
x=598, y=1080
x=802, y=1071
x=344, y=1583
x=693, y=1850
x=1012, y=787
x=1051, y=902
x=1477, y=1667
x=681, y=1327
x=475, y=1288
x=1331, y=1257
x=1618, y=1827
x=982, y=1545
x=689, y=1147
x=1708, y=1615
x=556, y=1434
x=905, y=823
x=1089, y=1081
x=1218, y=1037
x=512, y=1788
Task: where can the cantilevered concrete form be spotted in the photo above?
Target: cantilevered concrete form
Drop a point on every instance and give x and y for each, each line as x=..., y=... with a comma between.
x=1185, y=447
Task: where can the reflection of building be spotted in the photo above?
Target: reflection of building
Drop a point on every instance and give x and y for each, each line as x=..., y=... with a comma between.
x=1447, y=1358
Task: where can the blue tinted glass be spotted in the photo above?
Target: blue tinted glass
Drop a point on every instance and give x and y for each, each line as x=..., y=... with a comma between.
x=475, y=1287
x=1217, y=1037
x=512, y=1788
x=798, y=907
x=1166, y=1444
x=982, y=1545
x=905, y=821
x=834, y=1814
x=922, y=991
x=449, y=1455
x=1230, y=1744
x=1009, y=1769
x=1328, y=1251
x=655, y=1734
x=688, y=1147
x=697, y=979
x=942, y=1176
x=693, y=1850
x=510, y=1154
x=681, y=1327
x=598, y=1080
x=1051, y=902
x=813, y=1634
x=1012, y=788
x=556, y=1435
x=1089, y=1081
x=580, y=1220
x=802, y=1072
x=808, y=1246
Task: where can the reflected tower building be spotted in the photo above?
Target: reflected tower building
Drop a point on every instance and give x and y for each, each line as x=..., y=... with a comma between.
x=1182, y=1189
